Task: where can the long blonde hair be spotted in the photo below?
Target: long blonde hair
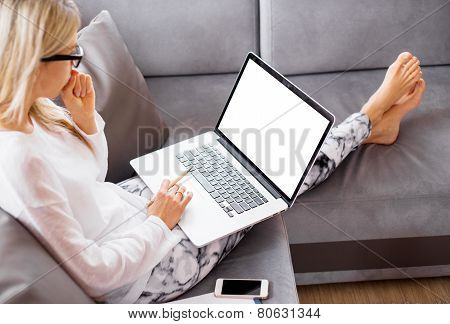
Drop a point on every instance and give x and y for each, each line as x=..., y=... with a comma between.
x=30, y=30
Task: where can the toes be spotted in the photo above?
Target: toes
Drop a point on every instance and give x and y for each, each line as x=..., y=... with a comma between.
x=404, y=57
x=411, y=65
x=414, y=76
x=411, y=69
x=419, y=89
x=418, y=76
x=421, y=86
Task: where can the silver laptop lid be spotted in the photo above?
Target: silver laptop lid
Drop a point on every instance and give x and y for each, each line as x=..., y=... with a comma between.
x=275, y=128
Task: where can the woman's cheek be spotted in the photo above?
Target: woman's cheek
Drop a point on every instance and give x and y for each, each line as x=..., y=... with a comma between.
x=67, y=76
x=67, y=79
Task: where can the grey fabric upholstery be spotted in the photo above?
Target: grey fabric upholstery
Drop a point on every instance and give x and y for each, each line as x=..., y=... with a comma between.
x=29, y=275
x=133, y=125
x=306, y=36
x=357, y=198
x=182, y=100
x=263, y=253
x=322, y=277
x=183, y=37
x=23, y=261
x=379, y=192
x=191, y=105
x=395, y=199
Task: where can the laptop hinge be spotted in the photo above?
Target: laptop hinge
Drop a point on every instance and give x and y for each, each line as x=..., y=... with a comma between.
x=255, y=173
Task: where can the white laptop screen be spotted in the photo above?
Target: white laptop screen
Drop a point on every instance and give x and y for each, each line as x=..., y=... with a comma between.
x=273, y=127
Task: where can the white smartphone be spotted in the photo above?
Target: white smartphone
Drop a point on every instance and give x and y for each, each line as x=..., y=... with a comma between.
x=242, y=288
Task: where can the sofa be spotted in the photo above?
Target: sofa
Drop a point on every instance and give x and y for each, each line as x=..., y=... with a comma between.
x=384, y=212
x=28, y=274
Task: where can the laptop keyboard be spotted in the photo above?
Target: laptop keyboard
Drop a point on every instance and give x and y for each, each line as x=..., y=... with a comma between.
x=226, y=185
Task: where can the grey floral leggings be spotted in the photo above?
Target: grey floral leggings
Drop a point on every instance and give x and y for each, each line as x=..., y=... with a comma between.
x=185, y=265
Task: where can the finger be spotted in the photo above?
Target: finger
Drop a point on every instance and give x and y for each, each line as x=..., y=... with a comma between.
x=77, y=89
x=187, y=199
x=83, y=85
x=68, y=88
x=164, y=185
x=150, y=202
x=174, y=189
x=89, y=85
x=179, y=195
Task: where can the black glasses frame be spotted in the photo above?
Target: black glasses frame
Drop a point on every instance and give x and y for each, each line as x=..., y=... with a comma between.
x=75, y=57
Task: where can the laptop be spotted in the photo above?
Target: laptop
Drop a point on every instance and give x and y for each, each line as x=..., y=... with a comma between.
x=252, y=165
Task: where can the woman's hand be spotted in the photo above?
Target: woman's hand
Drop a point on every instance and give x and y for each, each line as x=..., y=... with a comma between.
x=169, y=204
x=78, y=96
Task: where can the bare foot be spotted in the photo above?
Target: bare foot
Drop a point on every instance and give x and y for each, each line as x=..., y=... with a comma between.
x=387, y=129
x=400, y=78
x=415, y=61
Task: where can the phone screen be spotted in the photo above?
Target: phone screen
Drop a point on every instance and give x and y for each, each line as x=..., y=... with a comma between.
x=241, y=287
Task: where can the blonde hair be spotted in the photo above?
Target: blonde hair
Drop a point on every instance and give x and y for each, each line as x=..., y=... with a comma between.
x=30, y=30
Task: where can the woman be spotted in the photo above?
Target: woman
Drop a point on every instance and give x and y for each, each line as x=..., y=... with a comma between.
x=53, y=163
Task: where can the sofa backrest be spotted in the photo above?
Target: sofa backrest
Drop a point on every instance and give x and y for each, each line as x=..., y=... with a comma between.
x=308, y=36
x=170, y=37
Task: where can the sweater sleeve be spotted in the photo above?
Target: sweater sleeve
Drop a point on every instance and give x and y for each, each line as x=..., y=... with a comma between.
x=99, y=145
x=101, y=265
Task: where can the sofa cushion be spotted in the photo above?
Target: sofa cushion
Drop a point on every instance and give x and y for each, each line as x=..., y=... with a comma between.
x=304, y=36
x=168, y=37
x=194, y=103
x=133, y=126
x=401, y=191
x=28, y=274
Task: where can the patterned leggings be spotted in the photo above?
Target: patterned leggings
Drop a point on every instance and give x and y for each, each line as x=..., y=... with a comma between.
x=187, y=264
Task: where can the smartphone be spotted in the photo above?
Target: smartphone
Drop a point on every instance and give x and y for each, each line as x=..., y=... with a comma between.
x=242, y=288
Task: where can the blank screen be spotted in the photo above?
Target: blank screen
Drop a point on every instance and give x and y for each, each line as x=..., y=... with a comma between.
x=241, y=287
x=273, y=127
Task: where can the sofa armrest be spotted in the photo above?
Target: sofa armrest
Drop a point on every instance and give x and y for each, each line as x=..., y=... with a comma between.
x=28, y=274
x=262, y=254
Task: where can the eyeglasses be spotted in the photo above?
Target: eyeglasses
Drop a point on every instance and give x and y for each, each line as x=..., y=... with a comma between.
x=75, y=57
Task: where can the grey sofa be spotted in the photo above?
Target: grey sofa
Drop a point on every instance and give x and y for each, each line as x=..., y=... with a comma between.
x=28, y=274
x=384, y=213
